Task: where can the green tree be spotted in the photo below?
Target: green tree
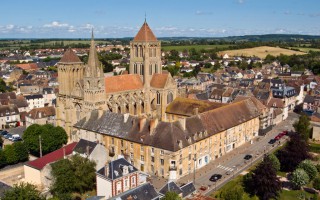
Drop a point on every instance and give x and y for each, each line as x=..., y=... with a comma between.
x=3, y=161
x=299, y=178
x=11, y=157
x=235, y=193
x=207, y=65
x=74, y=175
x=1, y=142
x=264, y=178
x=52, y=138
x=21, y=151
x=275, y=161
x=302, y=126
x=3, y=86
x=23, y=191
x=316, y=183
x=309, y=168
x=171, y=196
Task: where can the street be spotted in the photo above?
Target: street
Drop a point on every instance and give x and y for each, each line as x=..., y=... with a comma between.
x=233, y=163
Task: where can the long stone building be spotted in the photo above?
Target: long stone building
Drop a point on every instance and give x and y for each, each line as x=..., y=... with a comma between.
x=145, y=91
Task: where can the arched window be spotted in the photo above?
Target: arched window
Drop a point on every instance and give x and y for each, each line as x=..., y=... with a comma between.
x=169, y=98
x=150, y=69
x=158, y=98
x=135, y=70
x=141, y=51
x=141, y=69
x=154, y=52
x=150, y=52
x=155, y=68
x=88, y=84
x=136, y=51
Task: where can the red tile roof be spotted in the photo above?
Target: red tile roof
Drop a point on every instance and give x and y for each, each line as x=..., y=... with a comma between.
x=159, y=80
x=123, y=83
x=145, y=34
x=52, y=157
x=69, y=57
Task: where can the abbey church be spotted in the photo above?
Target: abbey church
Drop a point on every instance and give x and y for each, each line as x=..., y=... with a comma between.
x=145, y=91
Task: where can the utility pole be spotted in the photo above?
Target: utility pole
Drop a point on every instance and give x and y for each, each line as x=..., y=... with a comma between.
x=40, y=146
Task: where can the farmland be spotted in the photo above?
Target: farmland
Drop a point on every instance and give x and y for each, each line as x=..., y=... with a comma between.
x=261, y=52
x=196, y=47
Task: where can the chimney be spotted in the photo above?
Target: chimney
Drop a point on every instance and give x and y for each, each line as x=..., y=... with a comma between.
x=183, y=123
x=142, y=122
x=153, y=125
x=196, y=111
x=106, y=169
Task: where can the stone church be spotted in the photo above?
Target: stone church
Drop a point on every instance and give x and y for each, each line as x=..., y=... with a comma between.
x=145, y=91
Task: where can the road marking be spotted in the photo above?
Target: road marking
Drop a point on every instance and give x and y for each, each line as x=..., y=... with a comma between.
x=225, y=168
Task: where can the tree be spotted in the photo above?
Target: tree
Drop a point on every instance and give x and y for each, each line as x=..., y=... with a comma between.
x=3, y=86
x=293, y=153
x=21, y=151
x=309, y=168
x=171, y=196
x=299, y=178
x=10, y=155
x=316, y=183
x=23, y=191
x=1, y=142
x=302, y=126
x=52, y=138
x=207, y=65
x=74, y=175
x=275, y=161
x=3, y=161
x=235, y=193
x=266, y=183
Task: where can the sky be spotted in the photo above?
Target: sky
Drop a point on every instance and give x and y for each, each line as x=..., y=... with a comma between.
x=167, y=18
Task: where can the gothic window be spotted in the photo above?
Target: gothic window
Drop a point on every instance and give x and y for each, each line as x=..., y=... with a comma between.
x=155, y=68
x=158, y=98
x=88, y=84
x=154, y=52
x=169, y=98
x=150, y=52
x=78, y=111
x=99, y=85
x=136, y=51
x=141, y=51
x=141, y=69
x=135, y=71
x=150, y=69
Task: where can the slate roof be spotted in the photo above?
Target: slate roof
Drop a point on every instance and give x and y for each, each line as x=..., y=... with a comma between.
x=145, y=34
x=52, y=157
x=70, y=57
x=143, y=192
x=170, y=187
x=33, y=96
x=3, y=187
x=309, y=99
x=124, y=82
x=116, y=169
x=187, y=189
x=82, y=146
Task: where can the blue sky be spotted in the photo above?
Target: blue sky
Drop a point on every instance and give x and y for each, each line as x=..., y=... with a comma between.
x=123, y=18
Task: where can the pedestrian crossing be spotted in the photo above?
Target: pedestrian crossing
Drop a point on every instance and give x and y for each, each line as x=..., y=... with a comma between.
x=225, y=168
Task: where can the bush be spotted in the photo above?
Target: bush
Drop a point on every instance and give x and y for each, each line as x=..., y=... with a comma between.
x=10, y=155
x=235, y=193
x=299, y=178
x=316, y=183
x=275, y=161
x=318, y=167
x=309, y=168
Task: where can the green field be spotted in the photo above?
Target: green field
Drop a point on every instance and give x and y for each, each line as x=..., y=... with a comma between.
x=196, y=47
x=314, y=147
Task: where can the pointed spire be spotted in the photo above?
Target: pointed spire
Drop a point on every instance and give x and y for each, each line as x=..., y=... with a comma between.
x=145, y=17
x=93, y=61
x=145, y=34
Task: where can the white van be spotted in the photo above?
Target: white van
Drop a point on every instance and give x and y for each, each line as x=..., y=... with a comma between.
x=16, y=137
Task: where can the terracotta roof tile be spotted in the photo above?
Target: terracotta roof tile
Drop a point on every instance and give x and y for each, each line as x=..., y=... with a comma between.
x=123, y=83
x=52, y=157
x=38, y=113
x=69, y=57
x=159, y=80
x=145, y=34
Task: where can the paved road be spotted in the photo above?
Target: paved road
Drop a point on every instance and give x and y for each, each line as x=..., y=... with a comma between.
x=233, y=162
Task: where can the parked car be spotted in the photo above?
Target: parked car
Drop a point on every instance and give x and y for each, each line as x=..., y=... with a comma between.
x=272, y=141
x=215, y=177
x=8, y=135
x=16, y=137
x=247, y=157
x=3, y=133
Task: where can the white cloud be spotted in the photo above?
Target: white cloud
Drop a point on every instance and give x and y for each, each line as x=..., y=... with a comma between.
x=199, y=12
x=240, y=1
x=56, y=24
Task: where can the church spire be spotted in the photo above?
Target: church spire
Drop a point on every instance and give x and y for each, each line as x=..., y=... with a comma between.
x=93, y=62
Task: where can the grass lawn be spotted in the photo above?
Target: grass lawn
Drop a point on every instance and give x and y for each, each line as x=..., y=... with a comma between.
x=196, y=47
x=283, y=174
x=232, y=183
x=314, y=147
x=294, y=195
x=305, y=49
